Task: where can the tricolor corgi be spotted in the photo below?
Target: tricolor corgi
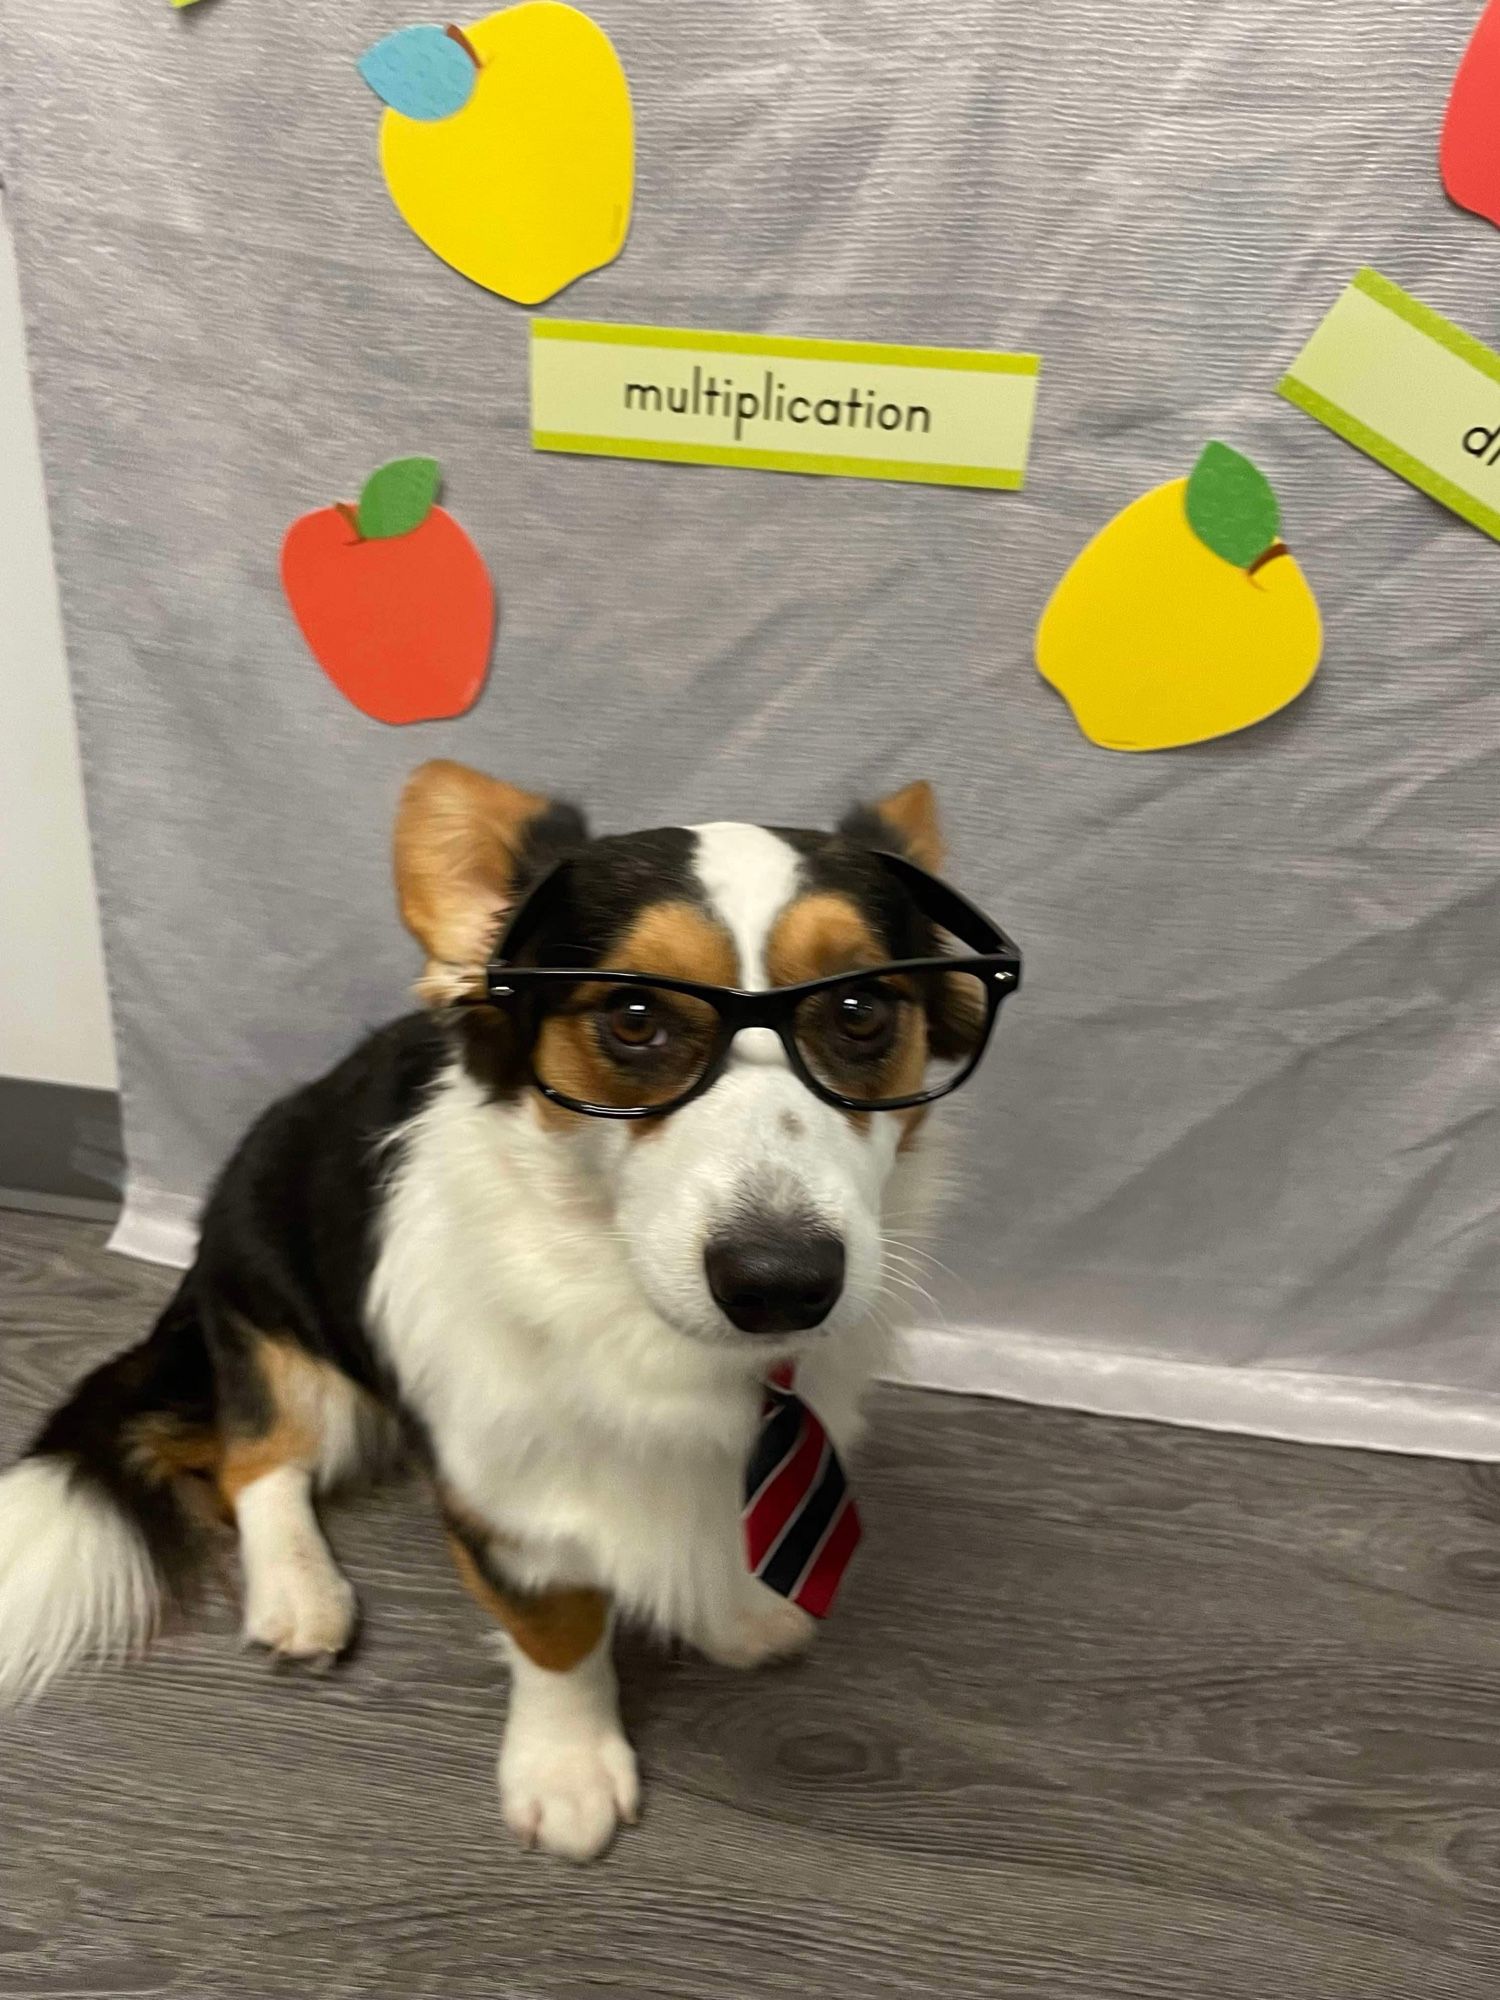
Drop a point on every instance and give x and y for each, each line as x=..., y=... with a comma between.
x=620, y=1214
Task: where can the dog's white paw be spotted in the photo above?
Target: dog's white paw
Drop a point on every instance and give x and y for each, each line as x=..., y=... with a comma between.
x=770, y=1627
x=299, y=1610
x=565, y=1794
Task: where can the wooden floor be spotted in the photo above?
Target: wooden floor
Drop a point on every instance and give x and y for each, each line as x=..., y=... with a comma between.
x=1106, y=1711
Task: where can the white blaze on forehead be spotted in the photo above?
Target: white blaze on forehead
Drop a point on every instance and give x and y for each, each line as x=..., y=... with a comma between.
x=749, y=876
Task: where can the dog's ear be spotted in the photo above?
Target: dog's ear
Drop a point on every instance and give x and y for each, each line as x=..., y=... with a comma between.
x=905, y=823
x=466, y=846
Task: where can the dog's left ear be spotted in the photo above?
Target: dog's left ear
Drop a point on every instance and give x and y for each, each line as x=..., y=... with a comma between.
x=466, y=846
x=907, y=822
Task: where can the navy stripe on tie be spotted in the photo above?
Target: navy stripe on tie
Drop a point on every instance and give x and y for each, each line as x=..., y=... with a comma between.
x=777, y=1436
x=794, y=1551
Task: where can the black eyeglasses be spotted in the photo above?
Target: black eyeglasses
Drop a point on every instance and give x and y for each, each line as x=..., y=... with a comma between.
x=883, y=1038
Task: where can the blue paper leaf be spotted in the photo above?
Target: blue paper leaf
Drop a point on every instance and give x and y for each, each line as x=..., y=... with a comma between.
x=420, y=72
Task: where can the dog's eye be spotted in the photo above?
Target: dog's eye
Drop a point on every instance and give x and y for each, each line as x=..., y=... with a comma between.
x=634, y=1021
x=865, y=1017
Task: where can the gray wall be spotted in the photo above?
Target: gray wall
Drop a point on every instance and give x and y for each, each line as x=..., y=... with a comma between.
x=54, y=1014
x=1247, y=1110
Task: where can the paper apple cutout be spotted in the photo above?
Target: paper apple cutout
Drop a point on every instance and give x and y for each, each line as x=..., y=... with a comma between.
x=1469, y=154
x=1186, y=617
x=509, y=149
x=392, y=597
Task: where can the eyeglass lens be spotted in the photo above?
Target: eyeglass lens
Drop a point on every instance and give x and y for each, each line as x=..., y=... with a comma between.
x=882, y=1039
x=629, y=1047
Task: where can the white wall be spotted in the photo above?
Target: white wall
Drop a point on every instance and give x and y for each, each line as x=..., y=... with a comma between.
x=54, y=1020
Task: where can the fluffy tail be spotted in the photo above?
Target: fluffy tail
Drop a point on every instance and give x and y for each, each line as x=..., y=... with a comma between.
x=97, y=1529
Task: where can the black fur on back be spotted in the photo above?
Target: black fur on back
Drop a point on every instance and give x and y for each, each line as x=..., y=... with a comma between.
x=287, y=1242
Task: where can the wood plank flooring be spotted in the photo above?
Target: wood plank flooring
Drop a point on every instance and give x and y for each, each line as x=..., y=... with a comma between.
x=1108, y=1712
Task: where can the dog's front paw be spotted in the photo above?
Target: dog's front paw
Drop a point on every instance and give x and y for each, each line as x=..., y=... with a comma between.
x=299, y=1611
x=567, y=1795
x=769, y=1627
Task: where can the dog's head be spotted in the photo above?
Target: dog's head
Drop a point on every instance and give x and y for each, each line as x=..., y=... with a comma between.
x=753, y=1210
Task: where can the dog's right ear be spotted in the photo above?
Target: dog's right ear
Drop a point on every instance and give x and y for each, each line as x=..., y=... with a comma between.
x=466, y=847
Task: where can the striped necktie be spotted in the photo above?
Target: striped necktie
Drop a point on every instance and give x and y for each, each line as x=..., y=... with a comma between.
x=801, y=1523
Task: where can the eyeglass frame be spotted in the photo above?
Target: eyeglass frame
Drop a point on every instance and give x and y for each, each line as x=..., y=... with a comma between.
x=997, y=964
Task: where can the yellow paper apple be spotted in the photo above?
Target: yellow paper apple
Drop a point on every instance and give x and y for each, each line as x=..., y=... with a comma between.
x=527, y=184
x=1185, y=618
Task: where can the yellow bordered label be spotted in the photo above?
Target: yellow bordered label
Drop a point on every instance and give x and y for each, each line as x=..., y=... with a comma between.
x=939, y=416
x=1394, y=378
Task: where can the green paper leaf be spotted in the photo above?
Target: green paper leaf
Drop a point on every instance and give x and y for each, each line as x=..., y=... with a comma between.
x=398, y=498
x=1230, y=506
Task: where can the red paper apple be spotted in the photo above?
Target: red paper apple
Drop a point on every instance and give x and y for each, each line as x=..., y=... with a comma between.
x=392, y=597
x=1469, y=155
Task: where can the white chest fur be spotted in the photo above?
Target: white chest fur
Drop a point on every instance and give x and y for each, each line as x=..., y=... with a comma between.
x=606, y=1446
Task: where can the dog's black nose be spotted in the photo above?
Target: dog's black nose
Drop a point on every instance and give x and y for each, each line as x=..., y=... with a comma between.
x=776, y=1277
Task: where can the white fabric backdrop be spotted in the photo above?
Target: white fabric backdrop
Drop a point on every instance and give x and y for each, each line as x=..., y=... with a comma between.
x=1236, y=1159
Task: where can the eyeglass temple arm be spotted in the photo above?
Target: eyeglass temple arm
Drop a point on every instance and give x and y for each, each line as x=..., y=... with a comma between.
x=947, y=907
x=514, y=932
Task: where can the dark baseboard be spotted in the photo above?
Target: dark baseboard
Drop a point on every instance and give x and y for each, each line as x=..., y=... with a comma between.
x=60, y=1148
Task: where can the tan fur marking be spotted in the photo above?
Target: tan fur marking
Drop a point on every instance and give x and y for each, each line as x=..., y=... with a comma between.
x=297, y=1387
x=457, y=837
x=557, y=1118
x=907, y=1077
x=675, y=940
x=913, y=813
x=818, y=935
x=163, y=1447
x=169, y=1452
x=555, y=1629
x=911, y=1125
x=679, y=941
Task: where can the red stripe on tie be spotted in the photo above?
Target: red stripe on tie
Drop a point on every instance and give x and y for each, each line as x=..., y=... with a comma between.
x=783, y=1493
x=820, y=1580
